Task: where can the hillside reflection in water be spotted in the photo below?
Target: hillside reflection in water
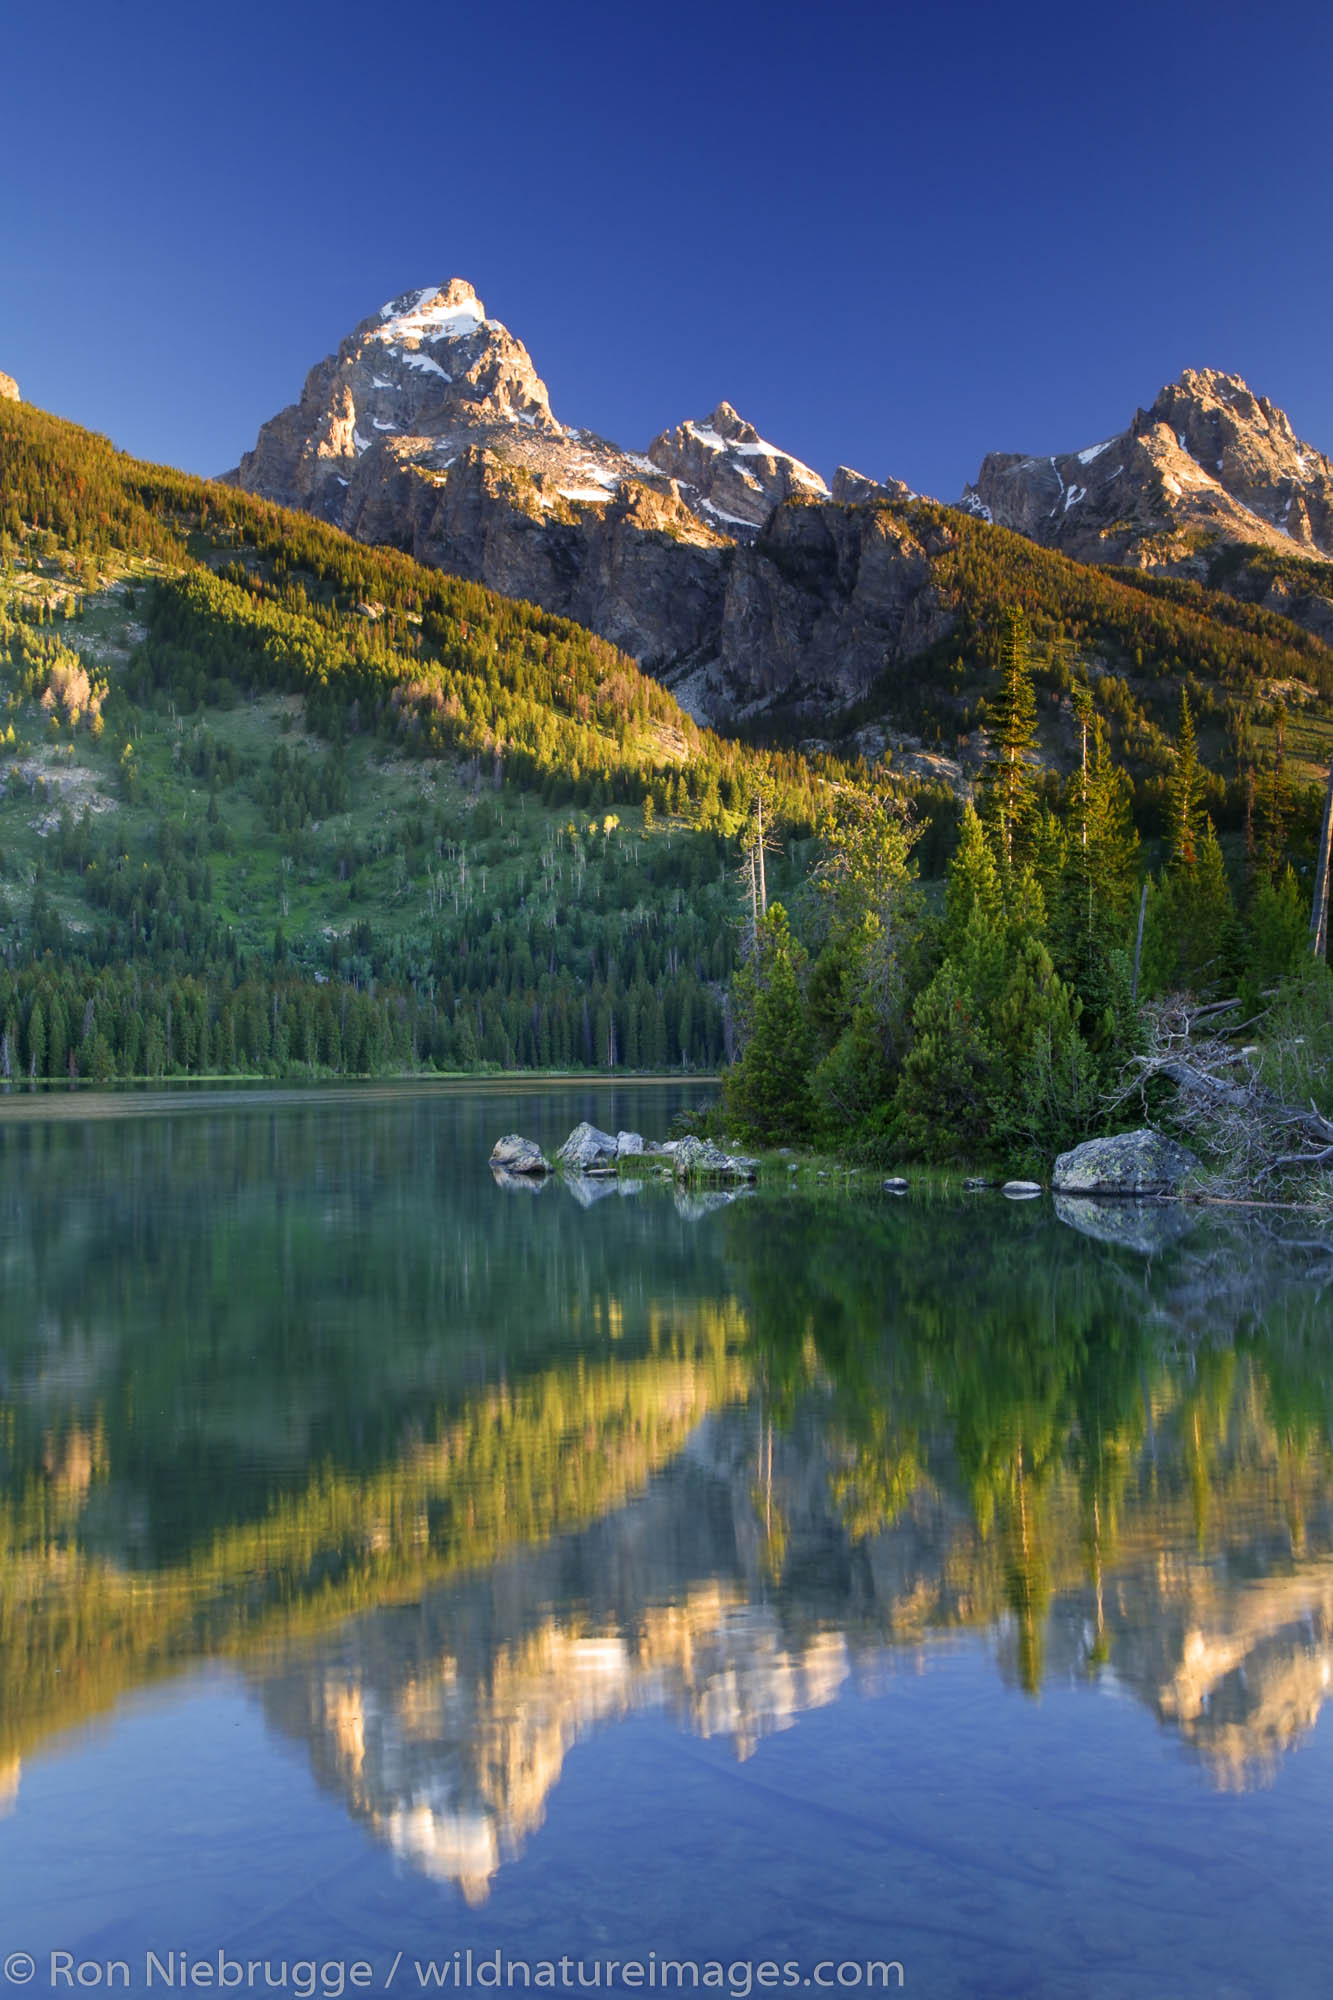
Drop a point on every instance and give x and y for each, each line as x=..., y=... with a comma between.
x=456, y=1477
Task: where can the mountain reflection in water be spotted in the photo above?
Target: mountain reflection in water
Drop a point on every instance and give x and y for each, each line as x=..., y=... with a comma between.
x=446, y=1724
x=456, y=1479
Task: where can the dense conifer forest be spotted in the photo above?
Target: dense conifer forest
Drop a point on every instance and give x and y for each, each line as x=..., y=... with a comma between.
x=274, y=802
x=339, y=812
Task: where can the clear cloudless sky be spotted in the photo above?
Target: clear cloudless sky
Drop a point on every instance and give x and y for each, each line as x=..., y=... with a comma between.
x=895, y=236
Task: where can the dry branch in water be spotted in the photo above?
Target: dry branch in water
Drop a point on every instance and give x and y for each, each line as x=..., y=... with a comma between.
x=1222, y=1104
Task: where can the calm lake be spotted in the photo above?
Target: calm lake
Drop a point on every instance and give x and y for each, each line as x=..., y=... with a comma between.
x=643, y=1589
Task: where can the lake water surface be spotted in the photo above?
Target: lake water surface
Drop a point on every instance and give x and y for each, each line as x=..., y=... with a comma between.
x=395, y=1567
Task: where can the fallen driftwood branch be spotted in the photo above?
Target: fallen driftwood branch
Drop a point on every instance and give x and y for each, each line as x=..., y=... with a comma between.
x=1221, y=1101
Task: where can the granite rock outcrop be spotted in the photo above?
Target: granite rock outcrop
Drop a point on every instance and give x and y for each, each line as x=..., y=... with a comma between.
x=1210, y=468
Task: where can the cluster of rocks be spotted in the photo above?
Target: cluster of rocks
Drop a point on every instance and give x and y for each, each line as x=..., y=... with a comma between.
x=1130, y=1166
x=589, y=1152
x=1121, y=1190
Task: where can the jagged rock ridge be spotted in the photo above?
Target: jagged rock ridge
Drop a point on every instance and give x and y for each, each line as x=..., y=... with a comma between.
x=430, y=429
x=719, y=560
x=730, y=475
x=1210, y=463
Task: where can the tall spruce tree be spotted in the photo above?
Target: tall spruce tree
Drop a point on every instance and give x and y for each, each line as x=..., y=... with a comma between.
x=1008, y=789
x=1091, y=902
x=1185, y=793
x=766, y=1093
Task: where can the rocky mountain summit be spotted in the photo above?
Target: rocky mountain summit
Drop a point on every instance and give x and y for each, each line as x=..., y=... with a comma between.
x=1209, y=465
x=722, y=562
x=429, y=379
x=9, y=389
x=430, y=429
x=728, y=474
x=416, y=388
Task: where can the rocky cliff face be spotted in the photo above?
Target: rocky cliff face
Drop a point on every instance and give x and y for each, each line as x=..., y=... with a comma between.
x=823, y=602
x=719, y=560
x=431, y=430
x=857, y=489
x=1209, y=464
x=9, y=390
x=728, y=474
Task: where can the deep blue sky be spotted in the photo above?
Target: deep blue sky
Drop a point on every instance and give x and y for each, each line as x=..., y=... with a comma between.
x=896, y=236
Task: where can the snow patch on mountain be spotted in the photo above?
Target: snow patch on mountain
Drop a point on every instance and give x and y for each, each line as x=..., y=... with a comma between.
x=432, y=314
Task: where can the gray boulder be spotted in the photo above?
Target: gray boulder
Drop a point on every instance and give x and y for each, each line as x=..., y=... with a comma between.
x=629, y=1145
x=588, y=1147
x=1130, y=1163
x=700, y=1159
x=513, y=1154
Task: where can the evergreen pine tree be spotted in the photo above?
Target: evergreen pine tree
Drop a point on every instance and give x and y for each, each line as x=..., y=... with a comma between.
x=1191, y=938
x=1008, y=791
x=1184, y=794
x=766, y=1093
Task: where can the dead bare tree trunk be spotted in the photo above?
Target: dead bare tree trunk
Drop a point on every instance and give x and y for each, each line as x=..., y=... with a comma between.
x=750, y=886
x=1138, y=944
x=1319, y=913
x=759, y=843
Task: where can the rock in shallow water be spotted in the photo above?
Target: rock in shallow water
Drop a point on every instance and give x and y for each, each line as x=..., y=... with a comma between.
x=1131, y=1163
x=700, y=1159
x=587, y=1147
x=513, y=1154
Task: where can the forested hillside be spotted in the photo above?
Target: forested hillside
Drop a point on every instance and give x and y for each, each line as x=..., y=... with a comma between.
x=272, y=798
x=1138, y=641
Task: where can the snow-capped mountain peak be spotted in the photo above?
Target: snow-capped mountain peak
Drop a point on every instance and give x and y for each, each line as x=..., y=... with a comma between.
x=729, y=473
x=444, y=312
